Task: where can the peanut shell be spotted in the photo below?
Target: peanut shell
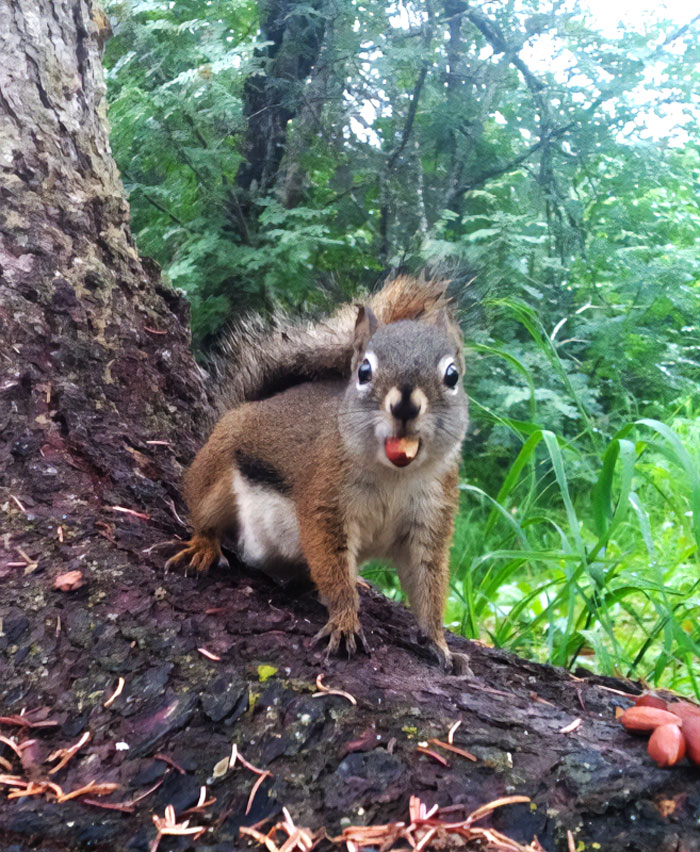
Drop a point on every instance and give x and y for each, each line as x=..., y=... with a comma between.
x=691, y=732
x=69, y=581
x=648, y=699
x=647, y=718
x=667, y=745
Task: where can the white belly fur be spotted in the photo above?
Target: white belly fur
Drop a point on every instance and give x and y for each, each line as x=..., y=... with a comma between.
x=268, y=529
x=386, y=514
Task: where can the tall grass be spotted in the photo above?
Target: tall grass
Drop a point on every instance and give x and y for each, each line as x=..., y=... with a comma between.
x=609, y=578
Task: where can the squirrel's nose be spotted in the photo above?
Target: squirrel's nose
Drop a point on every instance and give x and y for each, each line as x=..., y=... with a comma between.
x=405, y=408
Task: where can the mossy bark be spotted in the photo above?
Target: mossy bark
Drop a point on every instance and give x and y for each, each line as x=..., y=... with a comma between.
x=101, y=405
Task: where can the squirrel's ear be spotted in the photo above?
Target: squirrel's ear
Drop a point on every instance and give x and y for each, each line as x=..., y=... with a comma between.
x=444, y=320
x=365, y=326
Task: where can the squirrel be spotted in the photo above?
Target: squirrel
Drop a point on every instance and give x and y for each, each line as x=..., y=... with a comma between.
x=341, y=444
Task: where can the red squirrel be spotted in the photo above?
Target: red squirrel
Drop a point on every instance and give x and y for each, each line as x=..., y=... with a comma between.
x=342, y=444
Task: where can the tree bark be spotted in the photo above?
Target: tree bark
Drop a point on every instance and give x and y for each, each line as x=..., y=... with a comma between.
x=100, y=406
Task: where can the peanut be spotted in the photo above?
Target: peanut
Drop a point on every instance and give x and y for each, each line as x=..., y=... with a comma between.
x=648, y=699
x=667, y=745
x=691, y=732
x=684, y=709
x=647, y=718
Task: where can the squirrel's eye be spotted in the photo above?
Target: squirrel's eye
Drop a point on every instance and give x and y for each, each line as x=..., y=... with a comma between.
x=364, y=372
x=451, y=376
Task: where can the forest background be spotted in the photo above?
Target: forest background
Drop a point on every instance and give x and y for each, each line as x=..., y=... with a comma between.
x=298, y=152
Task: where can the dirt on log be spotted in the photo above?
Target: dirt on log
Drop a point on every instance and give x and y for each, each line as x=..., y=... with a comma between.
x=101, y=405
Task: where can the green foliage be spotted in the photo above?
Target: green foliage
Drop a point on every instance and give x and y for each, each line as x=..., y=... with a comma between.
x=176, y=76
x=610, y=571
x=293, y=152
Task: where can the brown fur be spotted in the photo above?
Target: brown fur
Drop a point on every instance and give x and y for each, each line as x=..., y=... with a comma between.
x=291, y=449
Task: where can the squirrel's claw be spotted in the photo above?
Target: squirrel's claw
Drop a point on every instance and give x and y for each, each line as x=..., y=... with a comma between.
x=455, y=664
x=363, y=641
x=337, y=633
x=352, y=639
x=199, y=553
x=460, y=665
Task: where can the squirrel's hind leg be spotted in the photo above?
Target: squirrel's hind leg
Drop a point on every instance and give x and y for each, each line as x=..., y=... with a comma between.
x=212, y=505
x=200, y=553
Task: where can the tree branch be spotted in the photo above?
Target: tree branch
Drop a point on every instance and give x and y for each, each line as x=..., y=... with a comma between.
x=681, y=31
x=410, y=118
x=161, y=207
x=496, y=171
x=492, y=32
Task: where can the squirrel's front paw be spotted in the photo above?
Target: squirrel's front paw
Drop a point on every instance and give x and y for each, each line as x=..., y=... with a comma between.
x=460, y=665
x=339, y=628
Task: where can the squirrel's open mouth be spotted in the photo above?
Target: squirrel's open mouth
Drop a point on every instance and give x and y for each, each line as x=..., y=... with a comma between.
x=401, y=451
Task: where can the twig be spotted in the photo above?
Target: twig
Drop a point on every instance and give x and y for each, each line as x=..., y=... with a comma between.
x=425, y=823
x=126, y=807
x=67, y=753
x=237, y=757
x=255, y=789
x=31, y=564
x=169, y=825
x=454, y=749
x=19, y=503
x=97, y=789
x=438, y=757
x=170, y=762
x=117, y=692
x=131, y=512
x=11, y=744
x=209, y=655
x=298, y=839
x=170, y=503
x=24, y=722
x=569, y=729
x=324, y=690
x=202, y=802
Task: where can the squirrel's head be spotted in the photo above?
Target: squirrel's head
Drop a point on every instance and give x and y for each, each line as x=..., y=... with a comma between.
x=405, y=403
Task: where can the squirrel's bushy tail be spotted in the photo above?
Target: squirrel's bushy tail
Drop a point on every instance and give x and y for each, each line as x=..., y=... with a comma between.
x=263, y=357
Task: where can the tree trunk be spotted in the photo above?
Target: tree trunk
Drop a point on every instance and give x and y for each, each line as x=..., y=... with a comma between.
x=273, y=97
x=101, y=405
